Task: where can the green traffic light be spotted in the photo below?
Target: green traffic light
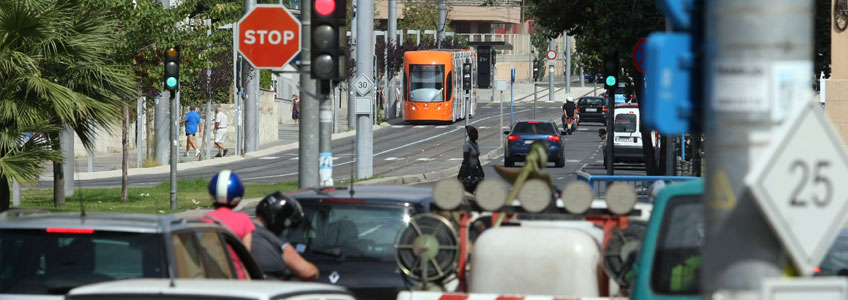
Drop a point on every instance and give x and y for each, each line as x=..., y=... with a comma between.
x=171, y=82
x=610, y=80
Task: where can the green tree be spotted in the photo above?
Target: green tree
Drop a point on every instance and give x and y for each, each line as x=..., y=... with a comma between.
x=56, y=70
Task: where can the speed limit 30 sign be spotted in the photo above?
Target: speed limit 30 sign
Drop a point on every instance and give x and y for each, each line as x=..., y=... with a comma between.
x=799, y=185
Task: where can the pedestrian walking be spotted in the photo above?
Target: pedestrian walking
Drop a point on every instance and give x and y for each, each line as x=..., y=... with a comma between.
x=295, y=109
x=192, y=123
x=220, y=131
x=471, y=172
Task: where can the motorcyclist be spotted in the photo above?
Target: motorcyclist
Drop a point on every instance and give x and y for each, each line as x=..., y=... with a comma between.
x=273, y=253
x=569, y=111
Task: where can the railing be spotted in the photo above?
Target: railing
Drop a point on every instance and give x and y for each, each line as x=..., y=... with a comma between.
x=641, y=184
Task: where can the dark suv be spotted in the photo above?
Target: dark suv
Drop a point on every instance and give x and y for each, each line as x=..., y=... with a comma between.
x=44, y=255
x=524, y=133
x=592, y=109
x=350, y=235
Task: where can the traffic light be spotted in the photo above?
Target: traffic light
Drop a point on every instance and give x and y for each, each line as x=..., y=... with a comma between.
x=466, y=76
x=172, y=68
x=535, y=69
x=610, y=70
x=327, y=48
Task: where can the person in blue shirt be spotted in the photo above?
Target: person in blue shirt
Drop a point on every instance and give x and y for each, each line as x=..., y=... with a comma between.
x=192, y=122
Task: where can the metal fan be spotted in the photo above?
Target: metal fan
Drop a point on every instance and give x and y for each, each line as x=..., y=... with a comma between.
x=621, y=251
x=427, y=248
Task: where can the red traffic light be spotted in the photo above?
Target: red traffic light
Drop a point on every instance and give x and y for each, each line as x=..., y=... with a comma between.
x=325, y=7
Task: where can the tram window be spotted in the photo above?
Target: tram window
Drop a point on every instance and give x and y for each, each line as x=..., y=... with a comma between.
x=450, y=86
x=426, y=83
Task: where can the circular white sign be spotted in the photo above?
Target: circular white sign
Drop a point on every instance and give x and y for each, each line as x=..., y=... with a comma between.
x=552, y=54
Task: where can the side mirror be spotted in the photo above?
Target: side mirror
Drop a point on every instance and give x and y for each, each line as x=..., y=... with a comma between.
x=506, y=132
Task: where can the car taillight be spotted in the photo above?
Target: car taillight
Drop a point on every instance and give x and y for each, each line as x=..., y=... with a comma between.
x=533, y=122
x=553, y=138
x=604, y=108
x=70, y=230
x=512, y=138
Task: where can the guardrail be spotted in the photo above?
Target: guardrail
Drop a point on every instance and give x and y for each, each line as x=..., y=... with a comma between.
x=641, y=184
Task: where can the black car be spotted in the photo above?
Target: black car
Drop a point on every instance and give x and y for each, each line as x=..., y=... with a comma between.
x=48, y=254
x=524, y=133
x=350, y=236
x=592, y=109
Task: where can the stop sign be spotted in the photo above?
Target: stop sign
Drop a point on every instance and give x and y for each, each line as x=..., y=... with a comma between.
x=269, y=36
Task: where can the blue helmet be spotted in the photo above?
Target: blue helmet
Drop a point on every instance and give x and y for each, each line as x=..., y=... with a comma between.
x=226, y=188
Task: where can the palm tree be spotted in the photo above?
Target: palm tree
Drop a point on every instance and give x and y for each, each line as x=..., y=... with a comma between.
x=56, y=70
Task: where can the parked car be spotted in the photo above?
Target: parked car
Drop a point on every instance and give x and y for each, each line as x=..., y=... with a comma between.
x=524, y=133
x=208, y=289
x=592, y=109
x=349, y=235
x=44, y=255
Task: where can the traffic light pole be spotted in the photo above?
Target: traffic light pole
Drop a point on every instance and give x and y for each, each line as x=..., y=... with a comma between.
x=610, y=155
x=364, y=66
x=251, y=103
x=551, y=78
x=308, y=130
x=741, y=249
x=161, y=127
x=175, y=144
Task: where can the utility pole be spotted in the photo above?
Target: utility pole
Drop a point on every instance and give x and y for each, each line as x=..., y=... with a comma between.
x=441, y=30
x=364, y=66
x=161, y=127
x=582, y=78
x=738, y=134
x=175, y=144
x=251, y=104
x=208, y=131
x=393, y=41
x=567, y=61
x=308, y=151
x=551, y=46
x=139, y=136
x=351, y=94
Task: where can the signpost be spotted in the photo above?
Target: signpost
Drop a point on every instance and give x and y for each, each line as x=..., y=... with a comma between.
x=639, y=55
x=363, y=85
x=269, y=36
x=551, y=55
x=500, y=86
x=799, y=188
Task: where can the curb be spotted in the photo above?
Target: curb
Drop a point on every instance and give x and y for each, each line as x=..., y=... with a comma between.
x=200, y=164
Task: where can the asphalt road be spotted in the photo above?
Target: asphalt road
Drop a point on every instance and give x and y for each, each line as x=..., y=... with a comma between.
x=403, y=149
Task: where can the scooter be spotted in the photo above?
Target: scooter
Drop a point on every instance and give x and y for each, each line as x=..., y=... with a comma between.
x=569, y=125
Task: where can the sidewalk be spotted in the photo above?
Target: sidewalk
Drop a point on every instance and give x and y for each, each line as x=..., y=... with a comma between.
x=109, y=165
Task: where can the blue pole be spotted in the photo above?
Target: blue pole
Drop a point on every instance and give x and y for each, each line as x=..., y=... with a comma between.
x=683, y=146
x=511, y=98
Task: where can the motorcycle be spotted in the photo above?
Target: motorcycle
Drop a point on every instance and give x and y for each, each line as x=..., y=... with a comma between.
x=569, y=125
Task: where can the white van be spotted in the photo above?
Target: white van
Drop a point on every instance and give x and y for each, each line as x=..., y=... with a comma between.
x=627, y=142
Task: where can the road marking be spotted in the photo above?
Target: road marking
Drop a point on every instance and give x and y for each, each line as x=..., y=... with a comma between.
x=336, y=157
x=560, y=178
x=485, y=127
x=573, y=161
x=397, y=126
x=294, y=158
x=599, y=161
x=424, y=159
x=269, y=157
x=419, y=126
x=442, y=126
x=393, y=158
x=455, y=158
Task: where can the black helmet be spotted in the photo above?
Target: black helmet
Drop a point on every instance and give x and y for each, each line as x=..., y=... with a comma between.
x=279, y=212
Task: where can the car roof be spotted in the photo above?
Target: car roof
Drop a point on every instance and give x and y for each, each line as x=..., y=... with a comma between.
x=257, y=289
x=382, y=193
x=140, y=223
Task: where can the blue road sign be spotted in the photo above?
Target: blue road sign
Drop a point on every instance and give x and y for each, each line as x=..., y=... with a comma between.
x=668, y=76
x=513, y=74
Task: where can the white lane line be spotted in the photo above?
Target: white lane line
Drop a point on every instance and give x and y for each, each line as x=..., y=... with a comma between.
x=573, y=161
x=269, y=157
x=419, y=126
x=294, y=158
x=455, y=158
x=397, y=126
x=485, y=127
x=442, y=126
x=393, y=158
x=336, y=157
x=424, y=159
x=599, y=161
x=560, y=178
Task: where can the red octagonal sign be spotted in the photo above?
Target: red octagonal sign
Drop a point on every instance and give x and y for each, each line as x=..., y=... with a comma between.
x=269, y=36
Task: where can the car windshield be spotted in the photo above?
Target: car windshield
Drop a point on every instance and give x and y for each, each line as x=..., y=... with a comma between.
x=836, y=261
x=38, y=262
x=591, y=101
x=349, y=228
x=426, y=83
x=534, y=128
x=677, y=259
x=625, y=123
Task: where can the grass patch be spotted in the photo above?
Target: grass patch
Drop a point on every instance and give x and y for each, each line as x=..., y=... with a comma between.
x=192, y=193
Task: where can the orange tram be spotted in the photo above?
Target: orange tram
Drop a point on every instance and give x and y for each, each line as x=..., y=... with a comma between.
x=432, y=85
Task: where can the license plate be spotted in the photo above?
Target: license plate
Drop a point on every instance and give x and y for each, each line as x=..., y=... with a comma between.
x=624, y=139
x=591, y=110
x=528, y=142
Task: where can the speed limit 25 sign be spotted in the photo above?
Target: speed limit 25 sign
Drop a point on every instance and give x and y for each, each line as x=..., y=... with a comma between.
x=800, y=186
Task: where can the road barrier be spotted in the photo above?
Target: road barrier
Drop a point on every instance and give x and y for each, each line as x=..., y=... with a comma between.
x=641, y=184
